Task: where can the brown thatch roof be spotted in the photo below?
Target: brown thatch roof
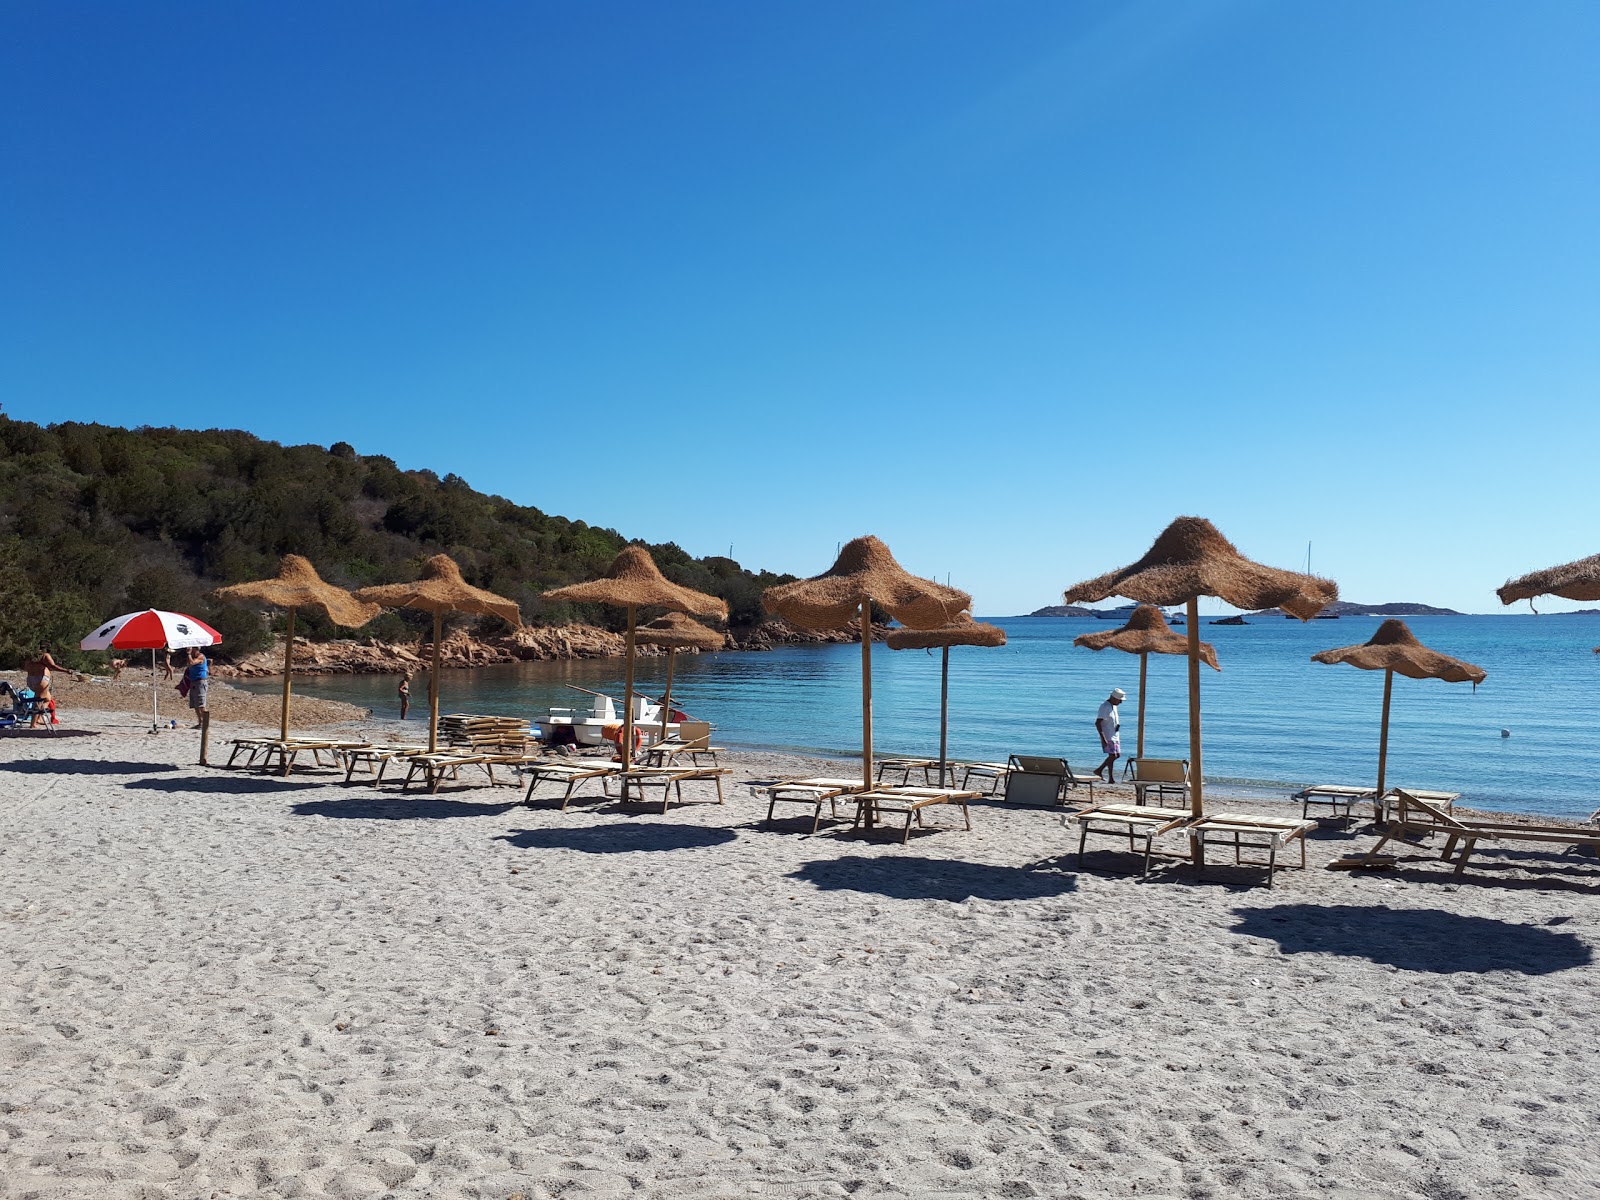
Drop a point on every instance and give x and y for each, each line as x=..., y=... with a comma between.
x=1395, y=648
x=635, y=579
x=963, y=631
x=441, y=589
x=297, y=585
x=865, y=573
x=1191, y=558
x=678, y=632
x=1146, y=632
x=1571, y=581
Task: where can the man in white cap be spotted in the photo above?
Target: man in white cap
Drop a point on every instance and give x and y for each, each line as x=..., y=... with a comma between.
x=1109, y=726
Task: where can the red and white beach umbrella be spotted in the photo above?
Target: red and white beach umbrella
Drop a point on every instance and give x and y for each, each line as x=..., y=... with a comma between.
x=152, y=630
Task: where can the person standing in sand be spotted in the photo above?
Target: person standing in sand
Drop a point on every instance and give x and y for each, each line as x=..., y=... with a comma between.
x=405, y=694
x=198, y=676
x=38, y=669
x=1109, y=726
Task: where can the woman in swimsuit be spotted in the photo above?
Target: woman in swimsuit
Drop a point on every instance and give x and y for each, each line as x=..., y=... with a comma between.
x=38, y=670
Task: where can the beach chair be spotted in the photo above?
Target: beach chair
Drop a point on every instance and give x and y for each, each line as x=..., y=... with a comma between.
x=1161, y=779
x=1135, y=822
x=910, y=802
x=1416, y=818
x=1246, y=831
x=375, y=759
x=813, y=790
x=1382, y=809
x=286, y=750
x=1339, y=798
x=671, y=780
x=572, y=773
x=434, y=768
x=1043, y=782
x=904, y=767
x=994, y=772
x=693, y=739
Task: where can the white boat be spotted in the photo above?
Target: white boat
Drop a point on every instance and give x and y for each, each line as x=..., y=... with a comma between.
x=601, y=723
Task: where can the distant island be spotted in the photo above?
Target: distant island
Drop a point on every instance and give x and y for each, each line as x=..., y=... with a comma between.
x=1339, y=608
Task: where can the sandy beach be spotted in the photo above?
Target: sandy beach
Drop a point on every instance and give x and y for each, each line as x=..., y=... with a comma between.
x=223, y=984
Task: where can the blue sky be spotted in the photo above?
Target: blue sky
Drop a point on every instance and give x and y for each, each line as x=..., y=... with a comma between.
x=1008, y=284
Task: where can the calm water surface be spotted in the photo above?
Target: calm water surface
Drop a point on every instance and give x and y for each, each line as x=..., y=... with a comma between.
x=1272, y=718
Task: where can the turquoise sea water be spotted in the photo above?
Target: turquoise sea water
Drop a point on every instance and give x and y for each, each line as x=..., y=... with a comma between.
x=1271, y=717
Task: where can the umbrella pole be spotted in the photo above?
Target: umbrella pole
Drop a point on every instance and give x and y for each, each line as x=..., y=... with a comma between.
x=666, y=701
x=627, y=712
x=155, y=714
x=433, y=684
x=866, y=693
x=288, y=658
x=1144, y=663
x=944, y=711
x=1383, y=735
x=1196, y=779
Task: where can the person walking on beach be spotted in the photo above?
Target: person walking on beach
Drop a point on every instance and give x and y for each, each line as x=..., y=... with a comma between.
x=405, y=694
x=1109, y=726
x=198, y=676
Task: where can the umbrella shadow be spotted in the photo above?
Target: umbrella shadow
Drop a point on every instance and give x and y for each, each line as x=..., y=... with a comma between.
x=219, y=785
x=620, y=838
x=401, y=808
x=910, y=877
x=83, y=766
x=1427, y=939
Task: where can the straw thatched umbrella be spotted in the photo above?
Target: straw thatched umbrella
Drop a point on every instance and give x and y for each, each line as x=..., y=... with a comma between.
x=634, y=582
x=963, y=631
x=1146, y=633
x=440, y=590
x=865, y=574
x=1395, y=648
x=1571, y=581
x=297, y=585
x=672, y=633
x=1191, y=559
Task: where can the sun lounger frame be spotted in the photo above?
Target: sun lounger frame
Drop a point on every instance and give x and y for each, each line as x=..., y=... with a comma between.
x=1422, y=818
x=909, y=801
x=1265, y=833
x=1133, y=821
x=813, y=790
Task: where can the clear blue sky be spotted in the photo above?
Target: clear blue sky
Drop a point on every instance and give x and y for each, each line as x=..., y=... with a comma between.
x=1009, y=284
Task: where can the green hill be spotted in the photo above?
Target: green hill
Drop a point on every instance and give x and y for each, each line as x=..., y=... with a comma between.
x=96, y=521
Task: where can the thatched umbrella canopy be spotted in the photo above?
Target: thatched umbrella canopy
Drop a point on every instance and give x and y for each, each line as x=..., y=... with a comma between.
x=1395, y=648
x=1571, y=581
x=672, y=633
x=634, y=582
x=1191, y=559
x=963, y=631
x=441, y=589
x=297, y=585
x=1146, y=633
x=865, y=574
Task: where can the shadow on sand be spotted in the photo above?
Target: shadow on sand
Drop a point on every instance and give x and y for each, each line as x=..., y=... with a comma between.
x=29, y=734
x=219, y=785
x=1426, y=939
x=401, y=808
x=908, y=877
x=623, y=837
x=83, y=766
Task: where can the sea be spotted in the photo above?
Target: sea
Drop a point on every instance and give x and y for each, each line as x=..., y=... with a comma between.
x=1526, y=740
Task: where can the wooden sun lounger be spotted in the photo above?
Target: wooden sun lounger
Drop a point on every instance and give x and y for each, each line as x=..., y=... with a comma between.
x=1132, y=821
x=434, y=767
x=375, y=756
x=813, y=790
x=1416, y=818
x=671, y=779
x=905, y=766
x=286, y=750
x=1164, y=778
x=1246, y=831
x=1335, y=796
x=909, y=801
x=994, y=772
x=1384, y=807
x=573, y=773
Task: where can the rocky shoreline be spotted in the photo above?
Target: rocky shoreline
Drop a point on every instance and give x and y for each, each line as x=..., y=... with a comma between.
x=461, y=649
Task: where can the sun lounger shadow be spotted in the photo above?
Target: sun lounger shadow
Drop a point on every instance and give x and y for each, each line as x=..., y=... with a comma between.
x=83, y=766
x=907, y=877
x=620, y=838
x=399, y=808
x=1428, y=939
x=219, y=785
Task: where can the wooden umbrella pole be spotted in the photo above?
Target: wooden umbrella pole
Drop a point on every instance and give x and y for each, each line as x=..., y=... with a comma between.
x=1383, y=735
x=288, y=659
x=866, y=693
x=1196, y=776
x=666, y=700
x=433, y=684
x=627, y=698
x=1144, y=663
x=944, y=711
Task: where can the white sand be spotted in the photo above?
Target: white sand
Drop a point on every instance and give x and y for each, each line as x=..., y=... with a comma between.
x=218, y=984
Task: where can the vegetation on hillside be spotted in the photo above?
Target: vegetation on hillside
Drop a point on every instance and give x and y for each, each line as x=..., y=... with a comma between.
x=97, y=521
